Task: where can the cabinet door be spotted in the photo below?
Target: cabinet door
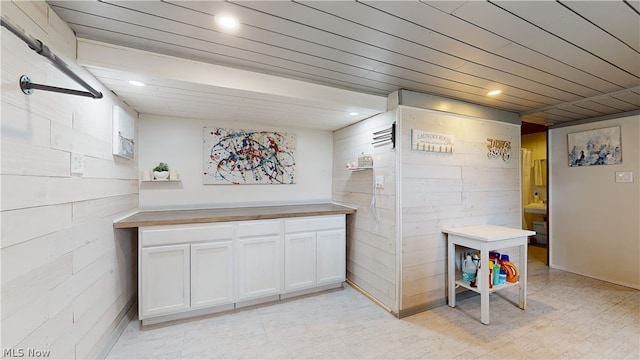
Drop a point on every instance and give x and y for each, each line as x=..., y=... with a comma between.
x=331, y=256
x=300, y=261
x=211, y=274
x=259, y=267
x=164, y=280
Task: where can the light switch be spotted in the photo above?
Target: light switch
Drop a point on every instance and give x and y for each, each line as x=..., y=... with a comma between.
x=379, y=181
x=624, y=176
x=77, y=163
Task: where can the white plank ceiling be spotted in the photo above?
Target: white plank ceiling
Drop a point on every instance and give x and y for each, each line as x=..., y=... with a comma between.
x=555, y=61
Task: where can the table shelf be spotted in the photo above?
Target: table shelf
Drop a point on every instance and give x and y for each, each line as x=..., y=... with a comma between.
x=486, y=238
x=467, y=285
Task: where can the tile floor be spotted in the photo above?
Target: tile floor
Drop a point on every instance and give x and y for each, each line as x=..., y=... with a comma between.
x=568, y=317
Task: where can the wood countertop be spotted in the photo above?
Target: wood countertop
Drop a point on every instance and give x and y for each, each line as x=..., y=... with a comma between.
x=175, y=217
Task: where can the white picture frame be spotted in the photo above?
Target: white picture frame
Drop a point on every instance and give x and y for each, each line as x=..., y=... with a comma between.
x=123, y=133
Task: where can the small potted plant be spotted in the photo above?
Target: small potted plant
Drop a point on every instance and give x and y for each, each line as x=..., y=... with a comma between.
x=161, y=172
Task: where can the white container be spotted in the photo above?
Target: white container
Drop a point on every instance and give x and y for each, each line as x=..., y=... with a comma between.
x=365, y=161
x=468, y=269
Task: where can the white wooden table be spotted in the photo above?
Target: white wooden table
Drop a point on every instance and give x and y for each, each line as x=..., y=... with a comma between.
x=486, y=238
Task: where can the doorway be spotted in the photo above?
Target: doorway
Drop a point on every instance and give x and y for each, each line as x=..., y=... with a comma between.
x=535, y=189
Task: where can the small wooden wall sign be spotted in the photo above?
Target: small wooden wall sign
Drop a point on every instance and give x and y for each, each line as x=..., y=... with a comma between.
x=499, y=148
x=430, y=141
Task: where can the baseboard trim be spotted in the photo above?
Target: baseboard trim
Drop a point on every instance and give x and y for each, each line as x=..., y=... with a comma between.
x=460, y=295
x=311, y=291
x=120, y=324
x=191, y=314
x=591, y=276
x=420, y=308
x=169, y=319
x=370, y=297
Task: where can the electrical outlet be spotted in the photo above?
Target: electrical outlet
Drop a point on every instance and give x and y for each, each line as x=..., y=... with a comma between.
x=379, y=181
x=77, y=163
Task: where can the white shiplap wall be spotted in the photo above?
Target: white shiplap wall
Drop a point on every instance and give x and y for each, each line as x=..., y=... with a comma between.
x=402, y=262
x=67, y=276
x=442, y=190
x=371, y=240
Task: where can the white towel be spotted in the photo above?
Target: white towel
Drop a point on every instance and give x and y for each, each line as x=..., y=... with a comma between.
x=527, y=185
x=526, y=162
x=539, y=170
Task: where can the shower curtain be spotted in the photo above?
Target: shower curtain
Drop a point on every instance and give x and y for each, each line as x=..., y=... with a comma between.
x=527, y=182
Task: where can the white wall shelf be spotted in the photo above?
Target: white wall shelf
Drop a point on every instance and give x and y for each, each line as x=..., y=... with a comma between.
x=359, y=168
x=363, y=162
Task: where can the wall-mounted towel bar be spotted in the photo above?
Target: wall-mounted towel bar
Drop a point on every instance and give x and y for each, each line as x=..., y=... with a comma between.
x=36, y=45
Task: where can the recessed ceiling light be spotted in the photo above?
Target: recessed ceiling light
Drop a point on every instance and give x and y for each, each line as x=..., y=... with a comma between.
x=136, y=83
x=494, y=92
x=354, y=113
x=227, y=21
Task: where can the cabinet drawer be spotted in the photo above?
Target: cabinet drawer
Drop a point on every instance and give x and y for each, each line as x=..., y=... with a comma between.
x=258, y=228
x=164, y=235
x=314, y=223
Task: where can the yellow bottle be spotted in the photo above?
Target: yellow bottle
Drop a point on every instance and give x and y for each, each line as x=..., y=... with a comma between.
x=491, y=264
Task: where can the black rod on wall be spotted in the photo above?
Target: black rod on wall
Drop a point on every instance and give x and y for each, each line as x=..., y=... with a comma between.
x=385, y=136
x=36, y=45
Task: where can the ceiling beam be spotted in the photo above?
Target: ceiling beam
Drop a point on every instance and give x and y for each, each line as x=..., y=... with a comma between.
x=575, y=102
x=100, y=55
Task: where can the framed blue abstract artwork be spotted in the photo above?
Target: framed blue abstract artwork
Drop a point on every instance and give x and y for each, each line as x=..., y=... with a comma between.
x=234, y=156
x=595, y=147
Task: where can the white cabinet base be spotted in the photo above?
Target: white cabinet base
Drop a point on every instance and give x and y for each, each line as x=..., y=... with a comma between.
x=165, y=284
x=187, y=314
x=315, y=290
x=259, y=301
x=300, y=261
x=199, y=269
x=315, y=252
x=211, y=274
x=229, y=308
x=332, y=256
x=259, y=259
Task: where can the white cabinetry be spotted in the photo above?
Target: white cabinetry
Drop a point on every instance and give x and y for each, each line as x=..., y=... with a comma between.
x=315, y=250
x=211, y=274
x=189, y=270
x=259, y=261
x=165, y=281
x=331, y=256
x=184, y=268
x=300, y=261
